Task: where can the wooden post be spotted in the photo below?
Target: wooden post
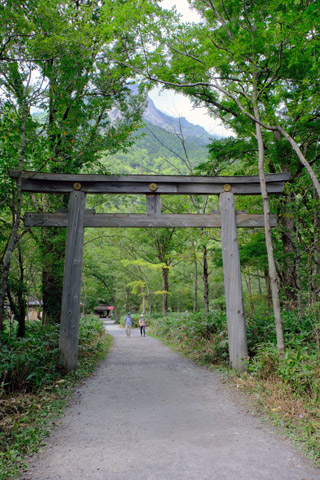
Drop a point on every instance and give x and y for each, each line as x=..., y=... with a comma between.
x=238, y=350
x=153, y=204
x=70, y=311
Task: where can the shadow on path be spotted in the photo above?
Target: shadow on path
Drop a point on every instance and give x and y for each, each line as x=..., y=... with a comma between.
x=149, y=414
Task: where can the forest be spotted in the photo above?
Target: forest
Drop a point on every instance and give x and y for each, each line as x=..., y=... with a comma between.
x=74, y=81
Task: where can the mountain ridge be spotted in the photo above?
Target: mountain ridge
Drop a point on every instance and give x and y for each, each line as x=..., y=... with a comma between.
x=175, y=125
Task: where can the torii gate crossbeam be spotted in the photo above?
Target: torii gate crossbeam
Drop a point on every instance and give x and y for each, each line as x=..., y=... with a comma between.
x=77, y=218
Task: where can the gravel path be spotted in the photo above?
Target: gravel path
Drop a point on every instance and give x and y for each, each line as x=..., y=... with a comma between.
x=148, y=414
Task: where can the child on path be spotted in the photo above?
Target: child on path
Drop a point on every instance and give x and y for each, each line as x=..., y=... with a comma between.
x=142, y=323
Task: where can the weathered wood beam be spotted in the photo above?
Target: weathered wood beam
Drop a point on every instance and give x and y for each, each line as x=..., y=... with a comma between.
x=70, y=309
x=153, y=204
x=133, y=220
x=237, y=337
x=146, y=184
x=272, y=177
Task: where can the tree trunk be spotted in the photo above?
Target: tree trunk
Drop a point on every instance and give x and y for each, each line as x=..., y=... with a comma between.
x=302, y=159
x=205, y=277
x=247, y=279
x=127, y=299
x=259, y=283
x=271, y=262
x=297, y=262
x=310, y=283
x=148, y=299
x=16, y=216
x=6, y=268
x=289, y=271
x=22, y=303
x=195, y=288
x=143, y=301
x=316, y=250
x=165, y=290
x=16, y=297
x=115, y=304
x=53, y=248
x=268, y=289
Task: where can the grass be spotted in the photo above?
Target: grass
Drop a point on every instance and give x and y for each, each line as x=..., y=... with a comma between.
x=34, y=390
x=297, y=417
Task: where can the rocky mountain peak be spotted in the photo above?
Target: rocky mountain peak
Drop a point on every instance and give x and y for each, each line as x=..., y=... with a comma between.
x=174, y=125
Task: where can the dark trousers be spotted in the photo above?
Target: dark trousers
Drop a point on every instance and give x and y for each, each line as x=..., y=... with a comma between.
x=143, y=329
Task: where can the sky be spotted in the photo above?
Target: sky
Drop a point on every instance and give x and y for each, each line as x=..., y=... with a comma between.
x=177, y=105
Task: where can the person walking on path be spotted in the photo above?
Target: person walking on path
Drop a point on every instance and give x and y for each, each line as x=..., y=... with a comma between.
x=128, y=324
x=142, y=323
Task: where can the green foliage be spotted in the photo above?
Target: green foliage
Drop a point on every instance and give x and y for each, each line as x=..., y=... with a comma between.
x=200, y=338
x=29, y=410
x=299, y=366
x=29, y=362
x=297, y=331
x=300, y=369
x=229, y=155
x=205, y=340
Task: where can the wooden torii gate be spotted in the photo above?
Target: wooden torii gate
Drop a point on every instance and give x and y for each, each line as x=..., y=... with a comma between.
x=153, y=186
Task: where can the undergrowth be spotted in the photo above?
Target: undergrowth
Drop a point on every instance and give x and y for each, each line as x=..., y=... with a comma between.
x=34, y=389
x=202, y=339
x=285, y=387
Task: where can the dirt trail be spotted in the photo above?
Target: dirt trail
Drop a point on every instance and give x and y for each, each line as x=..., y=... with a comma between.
x=148, y=414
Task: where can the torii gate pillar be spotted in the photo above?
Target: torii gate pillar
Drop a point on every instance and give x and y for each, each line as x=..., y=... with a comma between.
x=238, y=350
x=70, y=308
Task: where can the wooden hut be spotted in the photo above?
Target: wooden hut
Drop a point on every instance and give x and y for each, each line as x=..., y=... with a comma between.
x=103, y=310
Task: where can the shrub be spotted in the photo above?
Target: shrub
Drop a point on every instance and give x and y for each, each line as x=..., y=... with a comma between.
x=29, y=362
x=265, y=362
x=203, y=339
x=298, y=368
x=33, y=392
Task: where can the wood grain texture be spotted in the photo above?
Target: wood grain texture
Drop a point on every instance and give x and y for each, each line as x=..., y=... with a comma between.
x=70, y=310
x=143, y=188
x=272, y=177
x=153, y=204
x=133, y=220
x=238, y=350
x=140, y=184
